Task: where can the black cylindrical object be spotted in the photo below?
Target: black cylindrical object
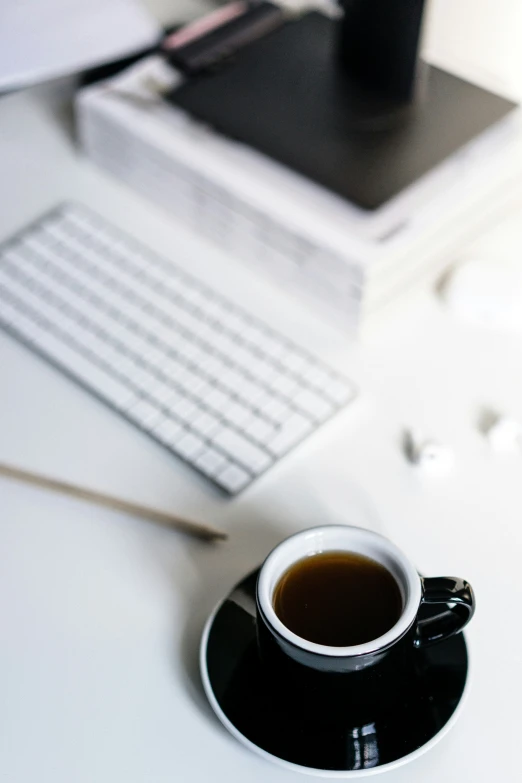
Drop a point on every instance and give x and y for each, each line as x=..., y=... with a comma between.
x=379, y=46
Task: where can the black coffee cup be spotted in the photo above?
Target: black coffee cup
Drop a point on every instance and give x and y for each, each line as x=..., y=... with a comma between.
x=282, y=648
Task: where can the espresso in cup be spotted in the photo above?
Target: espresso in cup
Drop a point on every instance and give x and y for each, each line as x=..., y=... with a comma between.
x=341, y=599
x=338, y=599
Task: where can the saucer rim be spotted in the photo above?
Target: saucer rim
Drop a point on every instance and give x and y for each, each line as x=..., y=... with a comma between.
x=338, y=774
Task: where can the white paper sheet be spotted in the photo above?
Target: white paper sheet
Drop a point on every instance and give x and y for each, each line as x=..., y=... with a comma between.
x=44, y=39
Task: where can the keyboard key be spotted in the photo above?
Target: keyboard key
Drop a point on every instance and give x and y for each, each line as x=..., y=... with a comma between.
x=168, y=431
x=217, y=400
x=234, y=479
x=182, y=408
x=23, y=324
x=206, y=424
x=162, y=393
x=295, y=363
x=145, y=412
x=241, y=356
x=243, y=450
x=248, y=391
x=275, y=350
x=262, y=369
x=285, y=385
x=252, y=334
x=237, y=413
x=211, y=461
x=274, y=408
x=231, y=378
x=260, y=430
x=124, y=365
x=213, y=365
x=189, y=445
x=294, y=429
x=140, y=376
x=194, y=354
x=317, y=377
x=312, y=404
x=202, y=391
x=118, y=393
x=192, y=381
x=10, y=314
x=233, y=322
x=339, y=391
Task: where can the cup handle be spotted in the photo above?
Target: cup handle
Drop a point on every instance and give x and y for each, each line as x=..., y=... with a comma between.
x=444, y=590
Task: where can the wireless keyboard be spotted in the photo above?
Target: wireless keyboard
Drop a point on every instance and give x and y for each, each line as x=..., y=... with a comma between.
x=219, y=388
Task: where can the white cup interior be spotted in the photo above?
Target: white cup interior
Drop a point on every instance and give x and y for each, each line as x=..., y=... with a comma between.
x=340, y=538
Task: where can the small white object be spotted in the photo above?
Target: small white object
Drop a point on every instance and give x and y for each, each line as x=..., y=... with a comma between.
x=436, y=459
x=431, y=457
x=505, y=435
x=486, y=290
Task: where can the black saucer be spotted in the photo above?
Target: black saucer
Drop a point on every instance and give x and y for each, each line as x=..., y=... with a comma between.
x=243, y=695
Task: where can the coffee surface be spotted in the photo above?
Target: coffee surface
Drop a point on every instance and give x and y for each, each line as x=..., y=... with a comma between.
x=338, y=599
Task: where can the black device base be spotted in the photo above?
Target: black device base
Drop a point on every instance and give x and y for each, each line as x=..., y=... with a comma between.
x=288, y=96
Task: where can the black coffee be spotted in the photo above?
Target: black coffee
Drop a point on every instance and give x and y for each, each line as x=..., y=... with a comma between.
x=338, y=599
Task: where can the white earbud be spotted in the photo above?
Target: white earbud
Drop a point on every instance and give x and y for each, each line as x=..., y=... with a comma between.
x=504, y=434
x=432, y=458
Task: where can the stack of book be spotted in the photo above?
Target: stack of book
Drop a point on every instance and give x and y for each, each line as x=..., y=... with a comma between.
x=347, y=263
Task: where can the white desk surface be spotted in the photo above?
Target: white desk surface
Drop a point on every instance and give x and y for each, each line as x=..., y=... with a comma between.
x=101, y=614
